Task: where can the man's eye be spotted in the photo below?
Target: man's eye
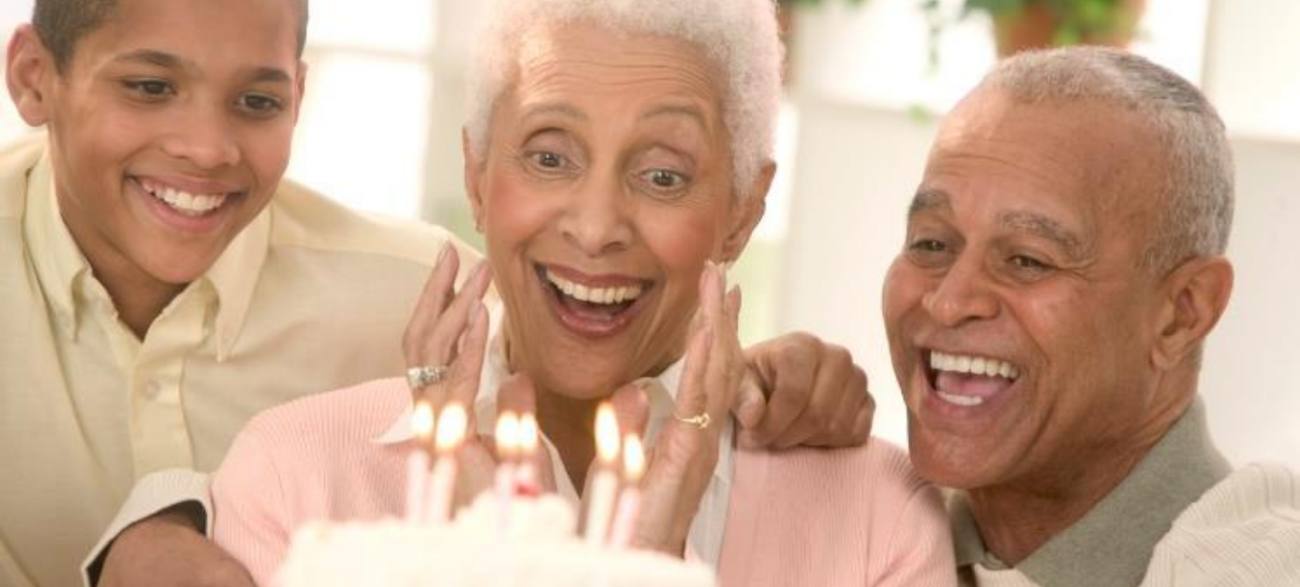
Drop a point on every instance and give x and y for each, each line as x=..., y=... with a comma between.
x=927, y=245
x=1029, y=263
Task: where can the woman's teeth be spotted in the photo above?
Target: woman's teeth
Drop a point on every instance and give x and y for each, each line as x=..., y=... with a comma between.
x=184, y=202
x=973, y=365
x=594, y=295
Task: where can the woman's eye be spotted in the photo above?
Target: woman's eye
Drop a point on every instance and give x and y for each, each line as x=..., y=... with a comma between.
x=548, y=160
x=662, y=178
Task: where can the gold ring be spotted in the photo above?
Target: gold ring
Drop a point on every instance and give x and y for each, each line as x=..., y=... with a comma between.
x=700, y=421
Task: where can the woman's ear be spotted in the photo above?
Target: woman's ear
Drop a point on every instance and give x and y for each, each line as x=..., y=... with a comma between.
x=749, y=210
x=1195, y=296
x=473, y=177
x=30, y=72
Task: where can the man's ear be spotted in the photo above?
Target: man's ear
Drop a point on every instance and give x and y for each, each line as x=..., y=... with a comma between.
x=473, y=177
x=1195, y=296
x=748, y=212
x=30, y=74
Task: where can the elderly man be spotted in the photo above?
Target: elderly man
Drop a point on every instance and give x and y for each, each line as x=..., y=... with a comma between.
x=1062, y=267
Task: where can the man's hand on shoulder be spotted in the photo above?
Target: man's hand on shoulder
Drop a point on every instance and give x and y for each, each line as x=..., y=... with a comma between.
x=168, y=550
x=802, y=391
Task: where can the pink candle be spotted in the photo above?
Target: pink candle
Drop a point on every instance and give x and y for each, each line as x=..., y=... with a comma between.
x=526, y=482
x=507, y=442
x=600, y=500
x=442, y=488
x=629, y=500
x=417, y=463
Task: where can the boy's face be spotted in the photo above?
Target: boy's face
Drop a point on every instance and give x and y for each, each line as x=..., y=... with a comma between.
x=170, y=129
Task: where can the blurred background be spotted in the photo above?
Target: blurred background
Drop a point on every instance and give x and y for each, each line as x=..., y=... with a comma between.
x=868, y=79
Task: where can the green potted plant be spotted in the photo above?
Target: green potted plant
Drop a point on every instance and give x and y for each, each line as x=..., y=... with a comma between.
x=1034, y=24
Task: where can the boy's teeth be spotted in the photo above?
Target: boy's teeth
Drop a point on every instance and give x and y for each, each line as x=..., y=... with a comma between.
x=973, y=365
x=185, y=202
x=594, y=295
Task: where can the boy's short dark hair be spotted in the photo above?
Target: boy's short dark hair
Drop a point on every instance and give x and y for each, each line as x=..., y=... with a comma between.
x=61, y=23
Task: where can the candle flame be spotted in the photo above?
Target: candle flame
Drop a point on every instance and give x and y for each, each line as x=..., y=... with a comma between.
x=422, y=421
x=606, y=433
x=451, y=426
x=633, y=457
x=507, y=433
x=528, y=434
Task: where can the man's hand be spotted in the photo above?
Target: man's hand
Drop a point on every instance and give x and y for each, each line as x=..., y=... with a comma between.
x=167, y=550
x=802, y=391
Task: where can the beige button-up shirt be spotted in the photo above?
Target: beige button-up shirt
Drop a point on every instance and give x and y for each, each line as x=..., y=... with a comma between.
x=310, y=297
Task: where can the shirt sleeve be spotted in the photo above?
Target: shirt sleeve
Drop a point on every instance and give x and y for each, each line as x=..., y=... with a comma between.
x=920, y=551
x=253, y=521
x=153, y=493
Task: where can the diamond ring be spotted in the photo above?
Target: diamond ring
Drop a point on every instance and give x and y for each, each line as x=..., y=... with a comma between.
x=421, y=377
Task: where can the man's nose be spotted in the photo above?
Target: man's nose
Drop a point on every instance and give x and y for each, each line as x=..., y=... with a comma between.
x=598, y=216
x=205, y=136
x=962, y=295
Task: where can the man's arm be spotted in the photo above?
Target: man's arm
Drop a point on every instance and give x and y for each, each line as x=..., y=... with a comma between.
x=802, y=391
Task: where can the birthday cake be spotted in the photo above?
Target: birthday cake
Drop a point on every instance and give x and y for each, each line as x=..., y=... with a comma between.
x=533, y=543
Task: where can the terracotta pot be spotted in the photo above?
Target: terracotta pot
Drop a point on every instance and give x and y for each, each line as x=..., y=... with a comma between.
x=1035, y=27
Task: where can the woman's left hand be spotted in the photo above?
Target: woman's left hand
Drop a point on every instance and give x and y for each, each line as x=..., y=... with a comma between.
x=683, y=458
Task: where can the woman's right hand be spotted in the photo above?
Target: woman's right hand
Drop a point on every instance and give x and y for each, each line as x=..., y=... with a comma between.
x=449, y=330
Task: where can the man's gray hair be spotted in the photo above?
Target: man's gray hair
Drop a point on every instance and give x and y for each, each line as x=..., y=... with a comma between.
x=1197, y=196
x=738, y=36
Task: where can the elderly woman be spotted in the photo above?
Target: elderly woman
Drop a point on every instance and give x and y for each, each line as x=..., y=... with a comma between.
x=619, y=156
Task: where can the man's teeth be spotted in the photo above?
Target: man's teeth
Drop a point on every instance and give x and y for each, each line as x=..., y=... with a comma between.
x=594, y=295
x=185, y=202
x=973, y=365
x=961, y=400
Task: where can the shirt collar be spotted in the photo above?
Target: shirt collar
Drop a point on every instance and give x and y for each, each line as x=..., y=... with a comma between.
x=1113, y=543
x=58, y=262
x=234, y=277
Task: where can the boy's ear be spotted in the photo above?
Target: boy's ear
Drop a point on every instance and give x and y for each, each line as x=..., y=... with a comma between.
x=30, y=73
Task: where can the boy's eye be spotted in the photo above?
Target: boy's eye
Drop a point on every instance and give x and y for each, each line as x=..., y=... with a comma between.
x=260, y=103
x=149, y=88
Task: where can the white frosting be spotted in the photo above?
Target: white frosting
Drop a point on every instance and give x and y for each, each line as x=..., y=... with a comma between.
x=535, y=545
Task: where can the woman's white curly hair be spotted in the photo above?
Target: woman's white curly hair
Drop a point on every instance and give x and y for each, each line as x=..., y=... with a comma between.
x=739, y=36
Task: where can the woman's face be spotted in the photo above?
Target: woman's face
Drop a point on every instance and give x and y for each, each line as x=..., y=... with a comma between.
x=605, y=186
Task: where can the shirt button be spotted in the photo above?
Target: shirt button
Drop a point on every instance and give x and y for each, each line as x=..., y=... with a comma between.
x=152, y=390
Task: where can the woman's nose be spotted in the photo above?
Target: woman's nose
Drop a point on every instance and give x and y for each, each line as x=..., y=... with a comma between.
x=598, y=218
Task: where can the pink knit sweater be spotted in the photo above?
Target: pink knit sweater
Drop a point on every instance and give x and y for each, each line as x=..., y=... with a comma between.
x=826, y=518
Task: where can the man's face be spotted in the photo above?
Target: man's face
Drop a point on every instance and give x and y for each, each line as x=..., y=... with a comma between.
x=1017, y=313
x=170, y=129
